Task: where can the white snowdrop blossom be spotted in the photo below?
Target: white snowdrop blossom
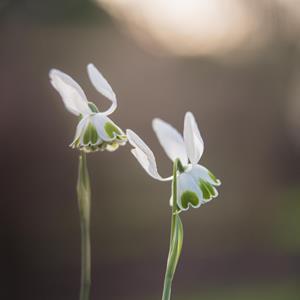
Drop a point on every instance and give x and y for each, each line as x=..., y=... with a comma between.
x=95, y=130
x=195, y=183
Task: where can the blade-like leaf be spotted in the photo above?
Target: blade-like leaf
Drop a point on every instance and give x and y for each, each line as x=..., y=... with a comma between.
x=176, y=247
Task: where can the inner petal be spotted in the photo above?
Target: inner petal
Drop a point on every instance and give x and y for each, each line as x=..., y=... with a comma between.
x=90, y=135
x=188, y=192
x=111, y=129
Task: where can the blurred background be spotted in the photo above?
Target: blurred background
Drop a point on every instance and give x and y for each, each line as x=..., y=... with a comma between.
x=235, y=64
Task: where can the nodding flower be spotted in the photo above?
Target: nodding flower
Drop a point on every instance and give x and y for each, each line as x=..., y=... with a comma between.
x=95, y=130
x=195, y=183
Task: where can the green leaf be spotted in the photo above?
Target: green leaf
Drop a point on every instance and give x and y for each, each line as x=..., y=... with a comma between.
x=176, y=247
x=179, y=239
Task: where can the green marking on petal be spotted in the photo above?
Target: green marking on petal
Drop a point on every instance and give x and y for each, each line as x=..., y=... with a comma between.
x=110, y=129
x=86, y=136
x=205, y=190
x=122, y=137
x=90, y=135
x=90, y=141
x=94, y=135
x=189, y=197
x=209, y=188
x=212, y=176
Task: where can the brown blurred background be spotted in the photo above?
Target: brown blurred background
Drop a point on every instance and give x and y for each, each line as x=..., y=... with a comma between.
x=235, y=65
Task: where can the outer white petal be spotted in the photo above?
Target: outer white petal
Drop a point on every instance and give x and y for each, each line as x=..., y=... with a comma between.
x=198, y=171
x=103, y=87
x=81, y=127
x=99, y=120
x=192, y=138
x=70, y=91
x=185, y=183
x=171, y=140
x=144, y=155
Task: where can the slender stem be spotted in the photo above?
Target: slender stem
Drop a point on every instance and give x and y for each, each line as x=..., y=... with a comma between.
x=174, y=197
x=167, y=288
x=84, y=202
x=171, y=265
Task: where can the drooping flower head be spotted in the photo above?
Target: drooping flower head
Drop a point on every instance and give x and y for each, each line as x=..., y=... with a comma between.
x=195, y=183
x=95, y=131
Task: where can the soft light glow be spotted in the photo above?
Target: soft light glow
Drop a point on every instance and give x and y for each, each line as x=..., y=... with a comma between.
x=186, y=27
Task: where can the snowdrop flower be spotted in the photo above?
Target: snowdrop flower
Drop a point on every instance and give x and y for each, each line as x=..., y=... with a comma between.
x=95, y=131
x=195, y=183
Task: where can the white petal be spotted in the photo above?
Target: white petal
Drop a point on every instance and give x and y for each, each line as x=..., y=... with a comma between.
x=144, y=155
x=192, y=138
x=200, y=172
x=70, y=91
x=81, y=127
x=103, y=87
x=99, y=120
x=186, y=183
x=171, y=140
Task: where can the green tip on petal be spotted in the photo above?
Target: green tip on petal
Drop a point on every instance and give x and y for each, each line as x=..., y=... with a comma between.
x=110, y=129
x=210, y=189
x=207, y=190
x=189, y=197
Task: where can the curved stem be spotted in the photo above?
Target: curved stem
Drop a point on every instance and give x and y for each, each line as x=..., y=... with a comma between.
x=84, y=203
x=176, y=237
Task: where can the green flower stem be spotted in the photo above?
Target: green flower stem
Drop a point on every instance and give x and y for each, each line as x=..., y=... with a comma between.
x=84, y=202
x=176, y=238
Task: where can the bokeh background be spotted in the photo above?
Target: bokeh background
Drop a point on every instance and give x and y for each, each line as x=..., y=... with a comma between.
x=235, y=64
